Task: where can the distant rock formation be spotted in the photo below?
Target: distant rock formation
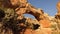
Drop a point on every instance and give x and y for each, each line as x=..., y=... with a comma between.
x=58, y=11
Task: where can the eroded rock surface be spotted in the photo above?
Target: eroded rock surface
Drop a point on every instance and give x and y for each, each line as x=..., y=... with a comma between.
x=43, y=24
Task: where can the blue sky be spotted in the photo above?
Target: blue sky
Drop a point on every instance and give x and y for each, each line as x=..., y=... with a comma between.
x=48, y=6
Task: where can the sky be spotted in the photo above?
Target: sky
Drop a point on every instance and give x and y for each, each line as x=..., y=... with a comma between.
x=48, y=6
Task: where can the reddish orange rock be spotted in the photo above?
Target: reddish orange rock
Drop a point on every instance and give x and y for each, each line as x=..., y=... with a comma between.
x=45, y=23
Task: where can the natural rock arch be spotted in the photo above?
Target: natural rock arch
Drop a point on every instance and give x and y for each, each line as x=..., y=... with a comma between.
x=24, y=8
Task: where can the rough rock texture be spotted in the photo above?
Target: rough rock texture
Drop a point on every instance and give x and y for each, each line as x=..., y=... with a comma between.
x=42, y=24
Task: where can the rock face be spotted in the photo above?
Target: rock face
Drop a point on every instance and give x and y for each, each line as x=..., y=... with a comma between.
x=42, y=24
x=57, y=16
x=58, y=9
